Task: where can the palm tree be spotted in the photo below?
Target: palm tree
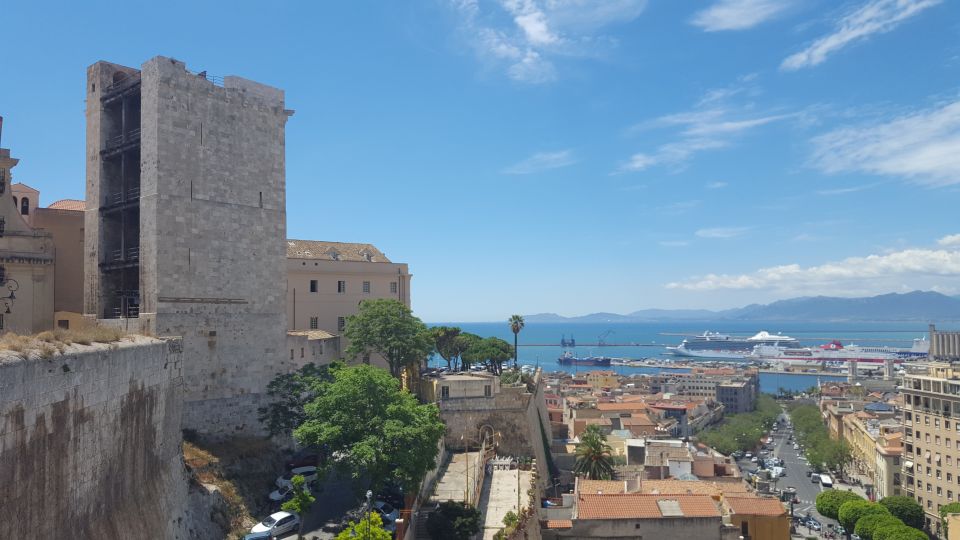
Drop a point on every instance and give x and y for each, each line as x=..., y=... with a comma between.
x=516, y=325
x=594, y=456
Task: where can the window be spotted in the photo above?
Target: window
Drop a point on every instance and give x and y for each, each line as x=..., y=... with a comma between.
x=937, y=440
x=341, y=324
x=314, y=323
x=366, y=287
x=936, y=422
x=301, y=352
x=313, y=285
x=25, y=206
x=63, y=323
x=393, y=287
x=291, y=354
x=444, y=392
x=949, y=495
x=946, y=424
x=1, y=321
x=341, y=287
x=3, y=225
x=487, y=391
x=926, y=420
x=3, y=180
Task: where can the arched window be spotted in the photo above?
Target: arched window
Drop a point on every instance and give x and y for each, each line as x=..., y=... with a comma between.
x=25, y=206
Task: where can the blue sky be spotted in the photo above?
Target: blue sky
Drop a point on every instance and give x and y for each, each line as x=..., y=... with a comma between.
x=567, y=156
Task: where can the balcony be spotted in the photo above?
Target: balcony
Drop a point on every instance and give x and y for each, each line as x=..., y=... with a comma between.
x=121, y=143
x=121, y=258
x=120, y=200
x=121, y=87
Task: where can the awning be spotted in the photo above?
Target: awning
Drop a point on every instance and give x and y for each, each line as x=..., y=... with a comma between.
x=938, y=458
x=927, y=456
x=908, y=464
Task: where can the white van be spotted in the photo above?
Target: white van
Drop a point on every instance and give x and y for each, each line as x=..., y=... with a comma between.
x=826, y=481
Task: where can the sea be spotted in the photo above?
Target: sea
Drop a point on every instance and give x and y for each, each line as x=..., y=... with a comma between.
x=540, y=342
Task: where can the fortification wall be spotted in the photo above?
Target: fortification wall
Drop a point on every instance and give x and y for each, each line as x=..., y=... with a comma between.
x=90, y=444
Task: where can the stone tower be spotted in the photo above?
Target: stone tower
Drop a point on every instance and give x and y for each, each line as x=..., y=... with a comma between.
x=185, y=226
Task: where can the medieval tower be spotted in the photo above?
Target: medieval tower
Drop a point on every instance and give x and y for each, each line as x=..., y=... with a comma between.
x=185, y=226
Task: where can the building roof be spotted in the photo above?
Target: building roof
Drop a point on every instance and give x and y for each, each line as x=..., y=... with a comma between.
x=878, y=407
x=68, y=204
x=622, y=406
x=754, y=506
x=601, y=486
x=693, y=487
x=311, y=334
x=334, y=251
x=637, y=420
x=557, y=524
x=644, y=506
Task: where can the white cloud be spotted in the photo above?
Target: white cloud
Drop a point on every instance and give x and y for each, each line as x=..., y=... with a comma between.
x=908, y=269
x=711, y=124
x=722, y=232
x=873, y=17
x=738, y=14
x=922, y=146
x=716, y=185
x=542, y=161
x=950, y=240
x=540, y=31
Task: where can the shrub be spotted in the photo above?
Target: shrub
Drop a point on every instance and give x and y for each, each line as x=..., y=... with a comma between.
x=829, y=502
x=905, y=508
x=898, y=532
x=851, y=511
x=453, y=521
x=867, y=524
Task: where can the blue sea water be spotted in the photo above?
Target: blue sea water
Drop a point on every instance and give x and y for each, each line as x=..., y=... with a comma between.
x=540, y=342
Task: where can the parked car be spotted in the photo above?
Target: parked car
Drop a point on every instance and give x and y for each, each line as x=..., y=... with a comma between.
x=303, y=458
x=809, y=473
x=753, y=459
x=277, y=524
x=815, y=478
x=258, y=536
x=308, y=473
x=386, y=511
x=285, y=493
x=814, y=524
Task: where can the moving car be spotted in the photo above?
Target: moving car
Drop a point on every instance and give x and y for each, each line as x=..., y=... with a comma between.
x=277, y=524
x=386, y=511
x=308, y=473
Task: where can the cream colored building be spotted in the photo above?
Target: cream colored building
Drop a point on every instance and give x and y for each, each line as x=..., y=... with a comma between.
x=889, y=457
x=603, y=379
x=63, y=219
x=931, y=438
x=26, y=260
x=326, y=281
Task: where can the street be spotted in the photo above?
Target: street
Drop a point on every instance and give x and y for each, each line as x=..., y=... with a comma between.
x=796, y=469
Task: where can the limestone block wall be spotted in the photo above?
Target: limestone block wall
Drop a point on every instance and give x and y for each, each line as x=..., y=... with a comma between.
x=90, y=444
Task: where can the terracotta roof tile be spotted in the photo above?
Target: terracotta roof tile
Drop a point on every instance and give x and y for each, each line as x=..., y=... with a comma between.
x=601, y=486
x=636, y=505
x=622, y=406
x=557, y=524
x=334, y=251
x=68, y=204
x=754, y=506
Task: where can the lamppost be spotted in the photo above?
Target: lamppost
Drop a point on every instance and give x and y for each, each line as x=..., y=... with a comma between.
x=12, y=285
x=369, y=498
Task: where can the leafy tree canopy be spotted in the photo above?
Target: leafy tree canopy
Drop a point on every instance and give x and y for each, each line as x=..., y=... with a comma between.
x=445, y=343
x=301, y=500
x=952, y=508
x=369, y=527
x=898, y=532
x=908, y=510
x=828, y=502
x=851, y=511
x=388, y=327
x=453, y=521
x=491, y=351
x=289, y=392
x=594, y=455
x=375, y=429
x=867, y=524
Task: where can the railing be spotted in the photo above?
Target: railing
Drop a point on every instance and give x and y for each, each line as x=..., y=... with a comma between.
x=129, y=254
x=129, y=136
x=122, y=83
x=120, y=197
x=215, y=79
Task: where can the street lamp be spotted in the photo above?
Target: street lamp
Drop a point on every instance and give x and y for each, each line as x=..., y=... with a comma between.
x=369, y=498
x=12, y=285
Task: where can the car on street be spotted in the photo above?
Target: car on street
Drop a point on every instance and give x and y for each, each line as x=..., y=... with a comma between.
x=308, y=473
x=809, y=473
x=386, y=511
x=814, y=478
x=258, y=536
x=277, y=524
x=753, y=459
x=814, y=525
x=285, y=493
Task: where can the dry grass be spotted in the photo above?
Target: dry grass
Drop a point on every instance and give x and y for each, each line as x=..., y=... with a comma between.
x=243, y=469
x=48, y=343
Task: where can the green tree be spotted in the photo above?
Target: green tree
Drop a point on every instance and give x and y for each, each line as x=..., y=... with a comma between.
x=379, y=430
x=952, y=508
x=870, y=522
x=454, y=521
x=288, y=394
x=828, y=502
x=444, y=343
x=464, y=342
x=898, y=532
x=370, y=527
x=594, y=455
x=516, y=325
x=851, y=511
x=905, y=508
x=492, y=351
x=388, y=327
x=300, y=502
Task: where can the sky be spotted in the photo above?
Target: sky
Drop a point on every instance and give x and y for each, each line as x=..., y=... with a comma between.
x=567, y=156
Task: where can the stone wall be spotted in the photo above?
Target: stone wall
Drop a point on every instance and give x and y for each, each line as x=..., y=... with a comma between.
x=90, y=444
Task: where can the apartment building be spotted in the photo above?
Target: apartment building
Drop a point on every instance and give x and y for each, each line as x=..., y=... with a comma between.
x=876, y=450
x=931, y=438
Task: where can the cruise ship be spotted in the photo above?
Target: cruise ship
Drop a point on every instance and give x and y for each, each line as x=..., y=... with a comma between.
x=717, y=345
x=830, y=353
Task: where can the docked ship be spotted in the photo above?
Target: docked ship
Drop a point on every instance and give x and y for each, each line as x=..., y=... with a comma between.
x=569, y=359
x=717, y=345
x=833, y=352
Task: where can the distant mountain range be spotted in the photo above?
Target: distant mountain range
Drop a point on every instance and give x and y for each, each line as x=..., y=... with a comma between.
x=912, y=306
